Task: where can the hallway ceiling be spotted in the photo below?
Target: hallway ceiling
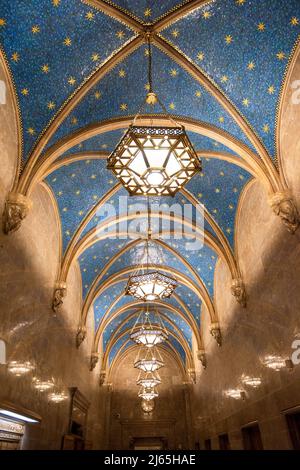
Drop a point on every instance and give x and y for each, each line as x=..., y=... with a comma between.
x=59, y=54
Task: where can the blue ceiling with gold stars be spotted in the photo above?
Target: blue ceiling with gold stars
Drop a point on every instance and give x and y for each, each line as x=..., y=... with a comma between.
x=53, y=48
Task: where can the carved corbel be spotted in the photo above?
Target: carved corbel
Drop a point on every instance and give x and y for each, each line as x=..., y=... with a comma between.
x=80, y=335
x=215, y=331
x=16, y=209
x=239, y=292
x=284, y=206
x=94, y=360
x=202, y=358
x=102, y=378
x=60, y=292
x=192, y=375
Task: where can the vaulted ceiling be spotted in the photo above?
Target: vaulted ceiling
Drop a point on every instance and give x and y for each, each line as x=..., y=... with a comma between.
x=79, y=71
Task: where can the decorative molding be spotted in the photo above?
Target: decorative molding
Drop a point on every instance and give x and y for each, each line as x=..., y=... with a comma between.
x=102, y=377
x=238, y=291
x=60, y=291
x=284, y=206
x=201, y=356
x=215, y=331
x=94, y=360
x=80, y=335
x=192, y=375
x=16, y=209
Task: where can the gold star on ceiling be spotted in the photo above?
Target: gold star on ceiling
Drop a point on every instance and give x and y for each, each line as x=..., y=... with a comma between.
x=51, y=105
x=261, y=26
x=147, y=12
x=25, y=91
x=123, y=107
x=90, y=15
x=122, y=73
x=172, y=105
x=97, y=95
x=221, y=119
x=280, y=55
x=35, y=29
x=120, y=34
x=74, y=120
x=173, y=73
x=240, y=2
x=31, y=130
x=206, y=15
x=45, y=68
x=55, y=3
x=67, y=41
x=71, y=81
x=2, y=22
x=294, y=21
x=271, y=90
x=251, y=66
x=246, y=102
x=266, y=128
x=200, y=55
x=224, y=79
x=147, y=87
x=198, y=93
x=228, y=39
x=175, y=33
x=95, y=57
x=15, y=57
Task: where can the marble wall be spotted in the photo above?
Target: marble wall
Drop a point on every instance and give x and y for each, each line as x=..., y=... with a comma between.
x=269, y=259
x=29, y=262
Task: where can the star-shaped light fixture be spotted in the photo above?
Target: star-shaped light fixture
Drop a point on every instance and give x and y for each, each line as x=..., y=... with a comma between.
x=154, y=161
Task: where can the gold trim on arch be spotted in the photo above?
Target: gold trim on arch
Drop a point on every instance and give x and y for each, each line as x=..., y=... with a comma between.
x=294, y=56
x=131, y=315
x=184, y=345
x=182, y=278
x=170, y=350
x=33, y=160
x=184, y=62
x=137, y=305
x=122, y=122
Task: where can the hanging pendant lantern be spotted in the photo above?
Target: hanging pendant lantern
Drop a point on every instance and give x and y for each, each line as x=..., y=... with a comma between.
x=149, y=380
x=149, y=333
x=151, y=160
x=150, y=362
x=147, y=393
x=150, y=286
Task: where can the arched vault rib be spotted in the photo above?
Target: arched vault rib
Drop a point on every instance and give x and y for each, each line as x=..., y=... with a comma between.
x=192, y=231
x=137, y=242
x=216, y=155
x=170, y=350
x=138, y=306
x=136, y=314
x=193, y=125
x=196, y=73
x=183, y=342
x=182, y=278
x=34, y=161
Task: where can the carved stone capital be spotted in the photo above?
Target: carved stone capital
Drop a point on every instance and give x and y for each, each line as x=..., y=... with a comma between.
x=16, y=209
x=284, y=206
x=102, y=378
x=80, y=335
x=202, y=358
x=215, y=331
x=60, y=291
x=192, y=375
x=94, y=360
x=239, y=292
